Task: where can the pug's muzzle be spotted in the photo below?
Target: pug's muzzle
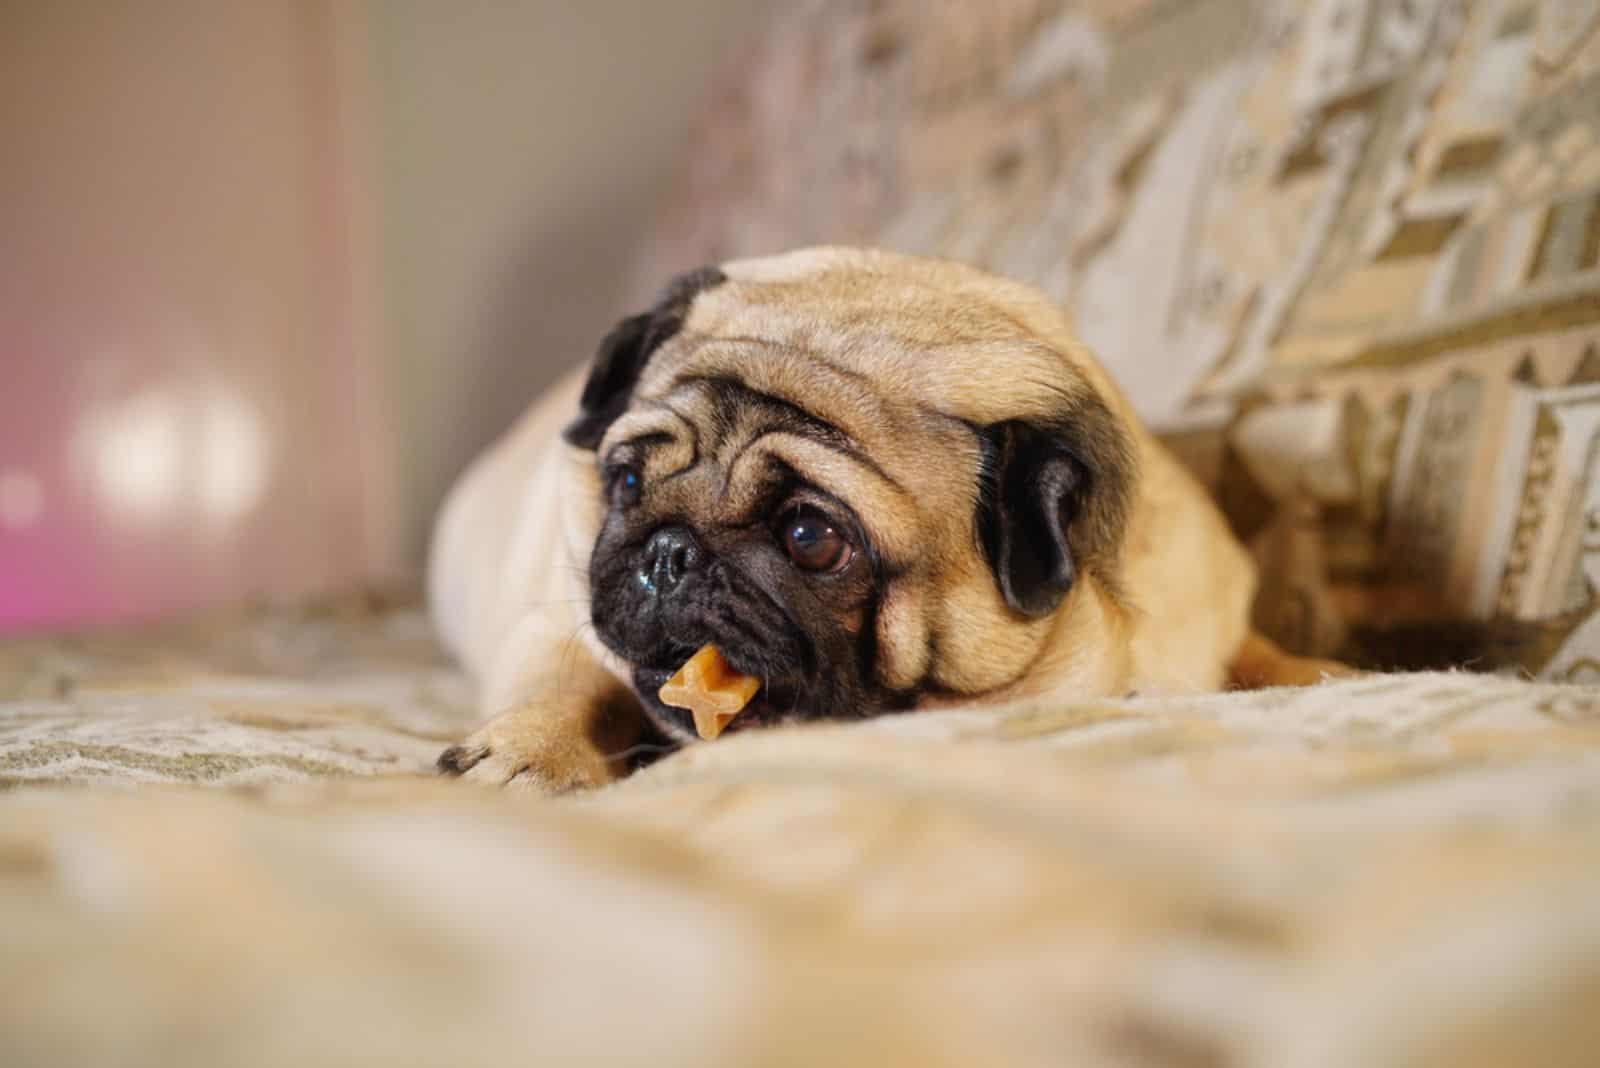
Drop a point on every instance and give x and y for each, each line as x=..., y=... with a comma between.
x=659, y=598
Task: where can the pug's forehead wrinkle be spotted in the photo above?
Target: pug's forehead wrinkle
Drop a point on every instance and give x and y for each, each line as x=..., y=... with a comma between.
x=788, y=367
x=772, y=414
x=814, y=355
x=659, y=434
x=790, y=371
x=862, y=427
x=867, y=342
x=638, y=443
x=712, y=354
x=862, y=490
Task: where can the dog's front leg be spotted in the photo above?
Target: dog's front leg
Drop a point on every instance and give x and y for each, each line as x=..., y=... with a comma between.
x=572, y=726
x=550, y=746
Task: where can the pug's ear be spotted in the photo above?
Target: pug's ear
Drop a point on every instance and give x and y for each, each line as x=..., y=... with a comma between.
x=605, y=395
x=624, y=353
x=1052, y=503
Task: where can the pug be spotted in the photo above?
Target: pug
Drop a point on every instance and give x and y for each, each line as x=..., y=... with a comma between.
x=873, y=482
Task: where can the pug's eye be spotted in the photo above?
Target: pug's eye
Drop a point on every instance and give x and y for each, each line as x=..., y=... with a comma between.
x=813, y=542
x=623, y=481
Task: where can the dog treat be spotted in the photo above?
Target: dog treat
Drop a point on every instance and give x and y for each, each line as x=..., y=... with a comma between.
x=709, y=688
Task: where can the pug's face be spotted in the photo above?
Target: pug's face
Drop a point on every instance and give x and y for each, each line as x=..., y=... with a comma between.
x=867, y=479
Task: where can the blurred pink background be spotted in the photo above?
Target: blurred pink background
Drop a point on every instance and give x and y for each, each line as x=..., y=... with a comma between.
x=272, y=272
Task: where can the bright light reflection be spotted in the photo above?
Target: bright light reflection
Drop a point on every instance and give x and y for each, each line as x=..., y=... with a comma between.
x=162, y=453
x=135, y=452
x=232, y=457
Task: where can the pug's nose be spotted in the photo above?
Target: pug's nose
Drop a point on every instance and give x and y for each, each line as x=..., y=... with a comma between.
x=671, y=553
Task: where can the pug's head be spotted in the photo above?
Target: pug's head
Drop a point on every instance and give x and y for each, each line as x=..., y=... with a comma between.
x=868, y=479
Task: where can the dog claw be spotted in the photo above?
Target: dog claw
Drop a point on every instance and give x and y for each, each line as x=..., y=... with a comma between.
x=460, y=759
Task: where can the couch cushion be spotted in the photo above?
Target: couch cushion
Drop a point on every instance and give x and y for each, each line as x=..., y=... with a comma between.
x=1389, y=871
x=350, y=686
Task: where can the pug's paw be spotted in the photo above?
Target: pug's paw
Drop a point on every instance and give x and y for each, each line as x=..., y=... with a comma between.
x=1260, y=664
x=524, y=750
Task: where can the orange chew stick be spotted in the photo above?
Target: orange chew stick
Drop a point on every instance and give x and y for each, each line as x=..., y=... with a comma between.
x=709, y=688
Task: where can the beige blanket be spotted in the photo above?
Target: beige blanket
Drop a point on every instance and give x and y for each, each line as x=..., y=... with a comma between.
x=1403, y=870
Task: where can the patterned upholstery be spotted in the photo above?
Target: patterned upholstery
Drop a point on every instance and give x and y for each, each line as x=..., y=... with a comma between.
x=1345, y=254
x=354, y=686
x=1392, y=872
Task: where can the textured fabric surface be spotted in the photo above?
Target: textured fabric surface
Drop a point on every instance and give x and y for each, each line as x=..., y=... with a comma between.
x=351, y=686
x=1344, y=253
x=1398, y=870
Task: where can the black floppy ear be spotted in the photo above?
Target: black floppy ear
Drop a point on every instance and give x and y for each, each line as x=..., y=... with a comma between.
x=1028, y=500
x=1051, y=504
x=605, y=395
x=625, y=351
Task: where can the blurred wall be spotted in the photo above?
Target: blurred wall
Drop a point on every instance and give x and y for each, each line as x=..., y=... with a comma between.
x=271, y=271
x=522, y=148
x=187, y=411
